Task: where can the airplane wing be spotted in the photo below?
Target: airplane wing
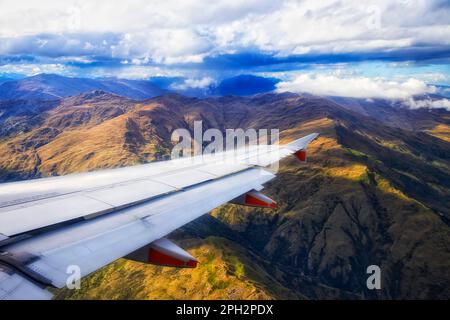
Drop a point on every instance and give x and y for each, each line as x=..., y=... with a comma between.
x=88, y=220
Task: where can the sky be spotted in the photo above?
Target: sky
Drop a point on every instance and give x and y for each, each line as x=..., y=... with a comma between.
x=366, y=49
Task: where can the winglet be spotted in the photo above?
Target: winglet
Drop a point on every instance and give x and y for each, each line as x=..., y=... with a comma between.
x=301, y=155
x=302, y=143
x=255, y=198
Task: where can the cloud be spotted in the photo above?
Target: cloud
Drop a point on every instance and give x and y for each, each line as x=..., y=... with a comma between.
x=78, y=16
x=60, y=45
x=132, y=72
x=428, y=103
x=193, y=84
x=31, y=69
x=166, y=32
x=357, y=87
x=310, y=26
x=162, y=46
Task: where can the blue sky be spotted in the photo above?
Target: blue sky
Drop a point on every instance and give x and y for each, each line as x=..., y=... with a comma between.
x=389, y=49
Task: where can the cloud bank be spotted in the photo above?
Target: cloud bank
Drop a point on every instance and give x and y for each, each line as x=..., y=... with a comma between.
x=428, y=103
x=193, y=84
x=357, y=87
x=411, y=93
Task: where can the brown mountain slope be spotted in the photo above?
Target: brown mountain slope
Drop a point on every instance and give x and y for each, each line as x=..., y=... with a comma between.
x=370, y=194
x=337, y=216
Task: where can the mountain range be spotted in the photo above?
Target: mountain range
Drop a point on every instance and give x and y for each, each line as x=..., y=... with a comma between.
x=53, y=87
x=375, y=190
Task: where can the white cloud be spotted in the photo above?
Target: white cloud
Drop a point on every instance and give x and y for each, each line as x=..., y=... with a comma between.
x=135, y=72
x=358, y=87
x=53, y=16
x=166, y=32
x=193, y=84
x=132, y=72
x=335, y=26
x=31, y=69
x=428, y=103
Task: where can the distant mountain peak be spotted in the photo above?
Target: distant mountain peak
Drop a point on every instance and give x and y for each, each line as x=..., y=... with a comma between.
x=97, y=93
x=92, y=97
x=46, y=75
x=51, y=86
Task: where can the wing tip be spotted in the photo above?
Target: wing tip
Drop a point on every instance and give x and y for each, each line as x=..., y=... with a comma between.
x=302, y=142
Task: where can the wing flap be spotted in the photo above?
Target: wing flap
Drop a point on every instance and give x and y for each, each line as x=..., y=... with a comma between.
x=13, y=286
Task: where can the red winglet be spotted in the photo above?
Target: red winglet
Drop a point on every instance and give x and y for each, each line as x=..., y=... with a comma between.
x=254, y=198
x=301, y=155
x=162, y=259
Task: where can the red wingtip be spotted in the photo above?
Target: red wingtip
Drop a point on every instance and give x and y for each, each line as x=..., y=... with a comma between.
x=301, y=155
x=259, y=200
x=159, y=258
